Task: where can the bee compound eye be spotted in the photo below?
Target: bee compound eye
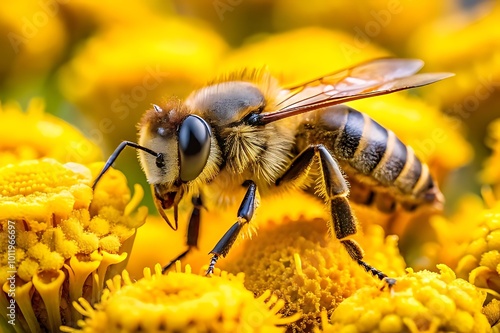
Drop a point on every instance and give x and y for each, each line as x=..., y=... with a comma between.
x=194, y=147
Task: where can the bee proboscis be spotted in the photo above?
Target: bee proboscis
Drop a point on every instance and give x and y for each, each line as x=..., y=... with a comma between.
x=247, y=133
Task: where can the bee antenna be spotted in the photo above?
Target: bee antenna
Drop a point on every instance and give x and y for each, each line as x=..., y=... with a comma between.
x=160, y=163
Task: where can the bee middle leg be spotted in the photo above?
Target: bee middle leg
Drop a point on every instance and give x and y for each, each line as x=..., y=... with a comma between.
x=335, y=190
x=192, y=234
x=245, y=214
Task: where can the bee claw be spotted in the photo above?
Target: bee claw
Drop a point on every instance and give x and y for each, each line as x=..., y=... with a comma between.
x=389, y=283
x=211, y=267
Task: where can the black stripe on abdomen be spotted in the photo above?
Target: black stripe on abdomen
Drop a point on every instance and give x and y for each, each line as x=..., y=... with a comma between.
x=394, y=163
x=411, y=173
x=374, y=147
x=414, y=174
x=349, y=141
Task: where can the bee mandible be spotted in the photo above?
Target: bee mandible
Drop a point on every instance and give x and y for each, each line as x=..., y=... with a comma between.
x=247, y=134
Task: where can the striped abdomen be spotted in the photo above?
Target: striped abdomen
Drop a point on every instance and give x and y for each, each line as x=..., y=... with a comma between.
x=378, y=165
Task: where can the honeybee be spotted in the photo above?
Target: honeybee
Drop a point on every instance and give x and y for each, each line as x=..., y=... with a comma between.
x=246, y=132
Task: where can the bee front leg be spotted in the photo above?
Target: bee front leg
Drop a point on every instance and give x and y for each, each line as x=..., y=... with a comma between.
x=335, y=190
x=245, y=213
x=192, y=234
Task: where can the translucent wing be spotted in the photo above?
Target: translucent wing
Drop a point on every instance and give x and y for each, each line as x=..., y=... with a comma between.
x=373, y=78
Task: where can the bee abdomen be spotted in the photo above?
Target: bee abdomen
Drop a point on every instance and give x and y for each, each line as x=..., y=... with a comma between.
x=376, y=152
x=374, y=155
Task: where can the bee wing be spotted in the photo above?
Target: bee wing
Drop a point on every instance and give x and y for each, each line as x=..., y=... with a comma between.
x=373, y=78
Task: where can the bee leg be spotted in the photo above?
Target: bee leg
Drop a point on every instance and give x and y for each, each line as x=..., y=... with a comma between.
x=245, y=213
x=192, y=234
x=335, y=191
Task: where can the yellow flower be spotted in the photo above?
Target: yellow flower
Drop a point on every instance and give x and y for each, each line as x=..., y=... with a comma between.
x=318, y=52
x=34, y=40
x=34, y=134
x=312, y=272
x=376, y=21
x=467, y=44
x=381, y=21
x=420, y=302
x=58, y=240
x=469, y=241
x=119, y=72
x=481, y=258
x=88, y=15
x=453, y=234
x=180, y=302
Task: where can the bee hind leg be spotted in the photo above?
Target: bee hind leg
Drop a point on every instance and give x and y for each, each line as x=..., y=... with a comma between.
x=335, y=190
x=245, y=214
x=192, y=234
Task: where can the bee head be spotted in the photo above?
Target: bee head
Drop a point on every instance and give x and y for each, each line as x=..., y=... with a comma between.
x=183, y=139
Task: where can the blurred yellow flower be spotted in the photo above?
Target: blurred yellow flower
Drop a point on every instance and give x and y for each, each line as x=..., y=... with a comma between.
x=327, y=51
x=420, y=302
x=103, y=15
x=34, y=41
x=35, y=134
x=120, y=71
x=377, y=21
x=58, y=240
x=180, y=302
x=312, y=272
x=466, y=43
x=386, y=22
x=453, y=234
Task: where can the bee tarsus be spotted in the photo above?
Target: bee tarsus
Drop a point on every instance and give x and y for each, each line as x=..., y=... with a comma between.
x=211, y=266
x=245, y=214
x=390, y=282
